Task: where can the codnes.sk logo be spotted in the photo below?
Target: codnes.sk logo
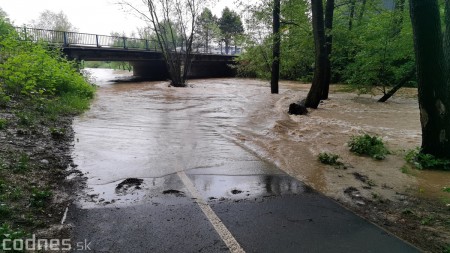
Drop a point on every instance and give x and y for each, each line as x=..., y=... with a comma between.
x=34, y=244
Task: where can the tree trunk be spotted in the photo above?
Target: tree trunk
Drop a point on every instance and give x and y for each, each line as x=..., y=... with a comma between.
x=434, y=95
x=447, y=38
x=398, y=86
x=276, y=48
x=329, y=13
x=227, y=44
x=352, y=14
x=316, y=91
x=398, y=17
x=362, y=11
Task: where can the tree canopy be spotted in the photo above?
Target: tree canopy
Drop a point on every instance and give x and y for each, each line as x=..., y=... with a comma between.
x=231, y=27
x=50, y=20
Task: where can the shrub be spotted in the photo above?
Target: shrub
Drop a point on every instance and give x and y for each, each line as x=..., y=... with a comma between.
x=426, y=161
x=40, y=72
x=372, y=146
x=329, y=158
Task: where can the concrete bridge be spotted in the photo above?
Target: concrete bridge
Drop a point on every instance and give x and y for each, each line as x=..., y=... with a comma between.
x=143, y=54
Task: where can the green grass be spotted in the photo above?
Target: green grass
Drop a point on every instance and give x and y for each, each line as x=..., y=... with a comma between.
x=7, y=232
x=405, y=170
x=40, y=197
x=446, y=189
x=26, y=118
x=67, y=104
x=17, y=163
x=372, y=146
x=22, y=164
x=3, y=123
x=57, y=132
x=5, y=211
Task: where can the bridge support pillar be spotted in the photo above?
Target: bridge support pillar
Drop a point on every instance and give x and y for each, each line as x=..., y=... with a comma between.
x=211, y=69
x=155, y=70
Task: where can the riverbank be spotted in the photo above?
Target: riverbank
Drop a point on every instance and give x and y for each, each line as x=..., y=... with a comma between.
x=34, y=161
x=390, y=193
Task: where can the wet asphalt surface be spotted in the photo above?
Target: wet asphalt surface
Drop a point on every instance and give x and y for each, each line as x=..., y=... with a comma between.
x=155, y=162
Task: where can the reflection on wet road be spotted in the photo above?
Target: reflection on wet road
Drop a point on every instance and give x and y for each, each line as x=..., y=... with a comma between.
x=164, y=176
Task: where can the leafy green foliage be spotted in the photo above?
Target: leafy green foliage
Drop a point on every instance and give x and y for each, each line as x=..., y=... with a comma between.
x=329, y=158
x=7, y=232
x=5, y=210
x=297, y=47
x=376, y=50
x=3, y=123
x=36, y=71
x=426, y=161
x=40, y=197
x=372, y=53
x=446, y=189
x=25, y=118
x=57, y=132
x=230, y=26
x=372, y=146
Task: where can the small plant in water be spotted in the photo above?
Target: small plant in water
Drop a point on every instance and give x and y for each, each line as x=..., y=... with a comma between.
x=372, y=146
x=329, y=158
x=426, y=161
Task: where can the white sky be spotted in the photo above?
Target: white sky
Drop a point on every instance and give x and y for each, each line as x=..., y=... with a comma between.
x=89, y=16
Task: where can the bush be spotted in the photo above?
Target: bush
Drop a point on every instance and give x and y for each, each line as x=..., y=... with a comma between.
x=329, y=158
x=37, y=71
x=426, y=161
x=368, y=145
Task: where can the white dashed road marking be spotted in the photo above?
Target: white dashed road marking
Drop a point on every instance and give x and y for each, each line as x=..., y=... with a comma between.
x=218, y=225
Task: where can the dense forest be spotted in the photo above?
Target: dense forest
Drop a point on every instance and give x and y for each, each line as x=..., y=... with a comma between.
x=372, y=43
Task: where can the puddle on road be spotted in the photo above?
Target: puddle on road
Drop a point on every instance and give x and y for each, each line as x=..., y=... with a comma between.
x=252, y=187
x=128, y=192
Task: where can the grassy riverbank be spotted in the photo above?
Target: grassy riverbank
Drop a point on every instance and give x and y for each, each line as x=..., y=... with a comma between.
x=40, y=93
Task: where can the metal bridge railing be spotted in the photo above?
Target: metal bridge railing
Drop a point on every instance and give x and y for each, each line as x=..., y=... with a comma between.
x=74, y=39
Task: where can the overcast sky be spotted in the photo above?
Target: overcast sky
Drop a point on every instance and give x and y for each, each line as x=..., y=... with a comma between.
x=89, y=16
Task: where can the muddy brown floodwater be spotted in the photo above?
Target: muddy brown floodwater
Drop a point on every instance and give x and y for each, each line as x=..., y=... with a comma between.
x=243, y=111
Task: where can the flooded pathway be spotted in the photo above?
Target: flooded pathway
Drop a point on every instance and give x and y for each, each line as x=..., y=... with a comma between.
x=165, y=173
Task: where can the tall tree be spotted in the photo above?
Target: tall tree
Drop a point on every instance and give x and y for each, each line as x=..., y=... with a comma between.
x=319, y=83
x=447, y=37
x=53, y=21
x=169, y=20
x=276, y=47
x=434, y=102
x=206, y=29
x=329, y=14
x=230, y=25
x=351, y=16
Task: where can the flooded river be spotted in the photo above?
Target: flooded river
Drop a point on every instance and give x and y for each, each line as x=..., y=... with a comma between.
x=150, y=130
x=167, y=166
